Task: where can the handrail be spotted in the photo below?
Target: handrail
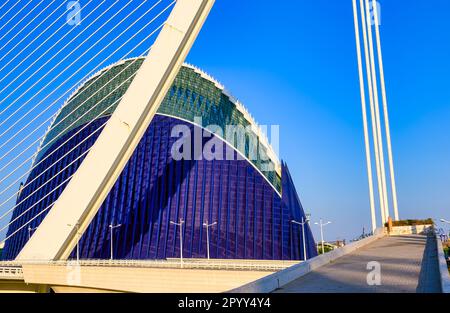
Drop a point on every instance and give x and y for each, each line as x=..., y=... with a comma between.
x=256, y=265
x=8, y=271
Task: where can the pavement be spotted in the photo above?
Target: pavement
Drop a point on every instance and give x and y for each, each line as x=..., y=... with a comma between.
x=406, y=264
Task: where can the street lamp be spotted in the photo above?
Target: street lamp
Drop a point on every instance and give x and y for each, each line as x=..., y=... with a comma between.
x=207, y=235
x=111, y=228
x=77, y=225
x=30, y=230
x=445, y=221
x=308, y=217
x=321, y=224
x=302, y=223
x=181, y=238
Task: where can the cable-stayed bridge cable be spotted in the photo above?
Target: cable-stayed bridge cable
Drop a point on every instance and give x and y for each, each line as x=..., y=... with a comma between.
x=23, y=116
x=15, y=14
x=25, y=27
x=77, y=95
x=68, y=67
x=42, y=33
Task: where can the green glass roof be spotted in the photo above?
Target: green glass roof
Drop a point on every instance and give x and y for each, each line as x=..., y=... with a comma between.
x=193, y=94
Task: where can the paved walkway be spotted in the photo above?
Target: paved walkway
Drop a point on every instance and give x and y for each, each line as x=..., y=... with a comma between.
x=408, y=264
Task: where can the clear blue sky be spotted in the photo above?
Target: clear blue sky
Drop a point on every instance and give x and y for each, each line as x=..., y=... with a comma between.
x=293, y=63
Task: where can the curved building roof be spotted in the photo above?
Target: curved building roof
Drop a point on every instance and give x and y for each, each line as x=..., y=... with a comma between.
x=193, y=94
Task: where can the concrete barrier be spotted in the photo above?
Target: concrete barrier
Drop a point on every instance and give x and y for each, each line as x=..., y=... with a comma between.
x=410, y=230
x=273, y=281
x=443, y=270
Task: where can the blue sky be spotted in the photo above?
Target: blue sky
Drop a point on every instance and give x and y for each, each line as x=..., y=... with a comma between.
x=293, y=63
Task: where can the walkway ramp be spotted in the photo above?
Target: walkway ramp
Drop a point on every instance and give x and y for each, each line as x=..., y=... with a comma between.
x=408, y=263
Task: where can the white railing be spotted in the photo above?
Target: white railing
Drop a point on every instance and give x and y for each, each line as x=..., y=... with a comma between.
x=246, y=265
x=11, y=272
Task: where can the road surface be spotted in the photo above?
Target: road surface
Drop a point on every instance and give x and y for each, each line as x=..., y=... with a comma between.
x=407, y=264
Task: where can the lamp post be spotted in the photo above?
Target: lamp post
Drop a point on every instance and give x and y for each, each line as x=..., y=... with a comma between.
x=207, y=235
x=302, y=223
x=322, y=224
x=77, y=225
x=30, y=229
x=111, y=228
x=446, y=222
x=181, y=238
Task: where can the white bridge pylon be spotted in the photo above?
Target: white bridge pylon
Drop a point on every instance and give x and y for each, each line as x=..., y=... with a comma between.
x=369, y=17
x=86, y=191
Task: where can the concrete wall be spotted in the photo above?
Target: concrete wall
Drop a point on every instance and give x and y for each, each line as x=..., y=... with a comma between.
x=410, y=230
x=443, y=270
x=136, y=279
x=281, y=278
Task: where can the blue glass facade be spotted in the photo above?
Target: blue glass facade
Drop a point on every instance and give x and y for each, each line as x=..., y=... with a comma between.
x=253, y=220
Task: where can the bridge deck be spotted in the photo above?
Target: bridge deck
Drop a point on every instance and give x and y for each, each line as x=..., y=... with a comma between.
x=197, y=275
x=13, y=268
x=408, y=264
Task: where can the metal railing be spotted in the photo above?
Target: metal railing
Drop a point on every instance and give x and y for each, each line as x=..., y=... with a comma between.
x=247, y=265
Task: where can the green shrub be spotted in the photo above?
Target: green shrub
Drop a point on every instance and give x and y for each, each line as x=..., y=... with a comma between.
x=326, y=248
x=447, y=252
x=427, y=221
